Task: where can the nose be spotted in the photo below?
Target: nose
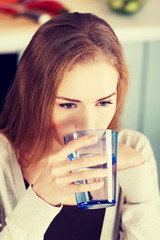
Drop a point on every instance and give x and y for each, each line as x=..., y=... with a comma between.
x=86, y=120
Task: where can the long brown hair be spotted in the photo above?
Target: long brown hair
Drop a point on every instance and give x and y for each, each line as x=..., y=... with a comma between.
x=54, y=49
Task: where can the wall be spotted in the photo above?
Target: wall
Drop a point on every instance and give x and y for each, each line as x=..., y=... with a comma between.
x=142, y=111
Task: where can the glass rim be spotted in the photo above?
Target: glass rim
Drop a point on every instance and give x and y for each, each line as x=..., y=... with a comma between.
x=91, y=130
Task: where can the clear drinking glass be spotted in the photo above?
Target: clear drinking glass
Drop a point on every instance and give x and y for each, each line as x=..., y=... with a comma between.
x=106, y=144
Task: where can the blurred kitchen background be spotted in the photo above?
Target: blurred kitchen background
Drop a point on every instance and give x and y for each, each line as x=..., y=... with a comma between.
x=136, y=23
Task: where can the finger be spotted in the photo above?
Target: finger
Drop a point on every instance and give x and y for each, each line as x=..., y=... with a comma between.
x=64, y=167
x=84, y=162
x=85, y=187
x=75, y=144
x=81, y=176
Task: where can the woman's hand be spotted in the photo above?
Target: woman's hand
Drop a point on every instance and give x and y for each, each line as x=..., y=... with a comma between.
x=127, y=157
x=56, y=181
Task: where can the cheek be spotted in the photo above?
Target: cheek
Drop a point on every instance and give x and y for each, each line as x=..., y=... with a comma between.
x=105, y=117
x=63, y=125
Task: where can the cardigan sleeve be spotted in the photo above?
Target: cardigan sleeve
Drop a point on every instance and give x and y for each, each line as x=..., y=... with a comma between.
x=30, y=218
x=23, y=215
x=140, y=219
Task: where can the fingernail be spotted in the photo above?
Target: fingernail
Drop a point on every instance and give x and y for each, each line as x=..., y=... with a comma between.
x=105, y=171
x=100, y=184
x=105, y=157
x=93, y=138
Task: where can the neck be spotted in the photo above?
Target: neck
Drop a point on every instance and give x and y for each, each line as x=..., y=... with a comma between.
x=32, y=172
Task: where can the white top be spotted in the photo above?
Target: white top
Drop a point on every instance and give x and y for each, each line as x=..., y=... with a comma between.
x=136, y=215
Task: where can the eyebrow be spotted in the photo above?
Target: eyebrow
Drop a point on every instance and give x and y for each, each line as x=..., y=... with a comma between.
x=75, y=100
x=101, y=99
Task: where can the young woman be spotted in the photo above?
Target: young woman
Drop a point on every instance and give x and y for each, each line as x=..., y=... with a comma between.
x=72, y=76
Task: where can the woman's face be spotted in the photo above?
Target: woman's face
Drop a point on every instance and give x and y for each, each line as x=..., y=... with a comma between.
x=86, y=99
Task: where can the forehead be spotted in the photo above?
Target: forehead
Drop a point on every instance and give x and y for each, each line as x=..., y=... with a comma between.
x=94, y=80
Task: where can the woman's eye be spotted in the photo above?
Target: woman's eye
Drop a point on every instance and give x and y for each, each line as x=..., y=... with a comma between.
x=104, y=103
x=67, y=105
